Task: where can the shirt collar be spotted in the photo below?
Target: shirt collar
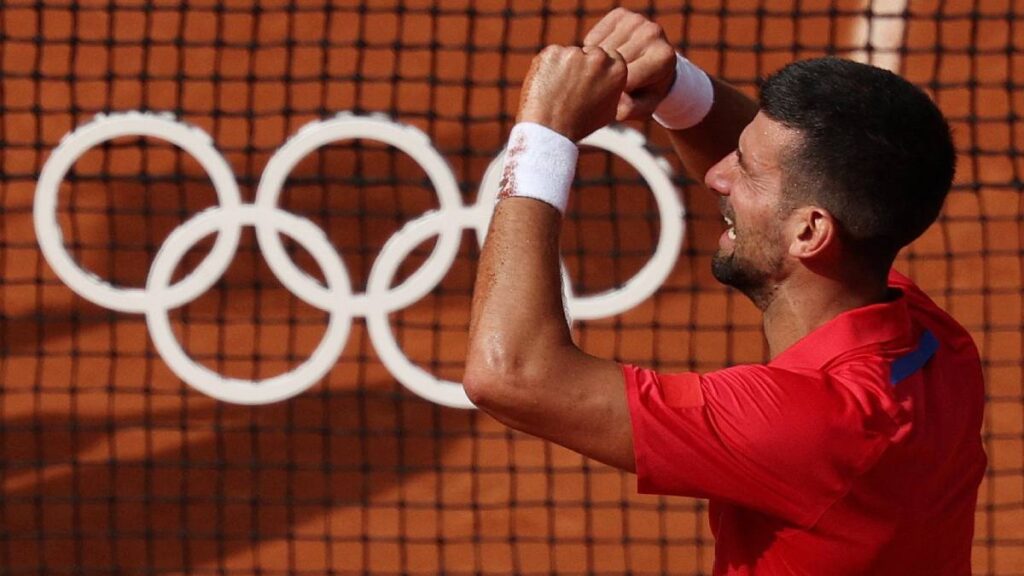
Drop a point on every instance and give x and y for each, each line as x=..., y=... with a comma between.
x=859, y=329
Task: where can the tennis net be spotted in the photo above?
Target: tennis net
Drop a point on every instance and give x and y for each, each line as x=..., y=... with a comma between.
x=113, y=464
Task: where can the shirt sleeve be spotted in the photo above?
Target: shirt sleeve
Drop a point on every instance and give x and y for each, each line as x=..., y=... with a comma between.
x=785, y=443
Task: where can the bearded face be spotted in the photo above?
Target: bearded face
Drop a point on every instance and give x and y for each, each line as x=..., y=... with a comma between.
x=750, y=254
x=749, y=182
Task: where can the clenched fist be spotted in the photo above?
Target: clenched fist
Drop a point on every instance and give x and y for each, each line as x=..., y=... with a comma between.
x=650, y=59
x=573, y=91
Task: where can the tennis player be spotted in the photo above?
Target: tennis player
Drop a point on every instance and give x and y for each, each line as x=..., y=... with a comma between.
x=856, y=448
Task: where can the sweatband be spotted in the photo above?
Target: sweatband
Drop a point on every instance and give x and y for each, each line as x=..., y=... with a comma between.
x=689, y=100
x=540, y=164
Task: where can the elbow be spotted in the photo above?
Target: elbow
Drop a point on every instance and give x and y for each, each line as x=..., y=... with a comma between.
x=484, y=381
x=509, y=374
x=480, y=386
x=495, y=380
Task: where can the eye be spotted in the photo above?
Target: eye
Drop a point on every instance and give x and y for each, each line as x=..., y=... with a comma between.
x=739, y=160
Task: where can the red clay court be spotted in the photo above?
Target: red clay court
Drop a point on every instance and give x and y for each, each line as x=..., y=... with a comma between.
x=112, y=464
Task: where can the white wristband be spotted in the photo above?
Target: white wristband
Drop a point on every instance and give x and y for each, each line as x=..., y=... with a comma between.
x=539, y=163
x=689, y=100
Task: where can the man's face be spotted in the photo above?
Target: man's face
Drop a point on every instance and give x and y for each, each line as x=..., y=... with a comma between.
x=752, y=251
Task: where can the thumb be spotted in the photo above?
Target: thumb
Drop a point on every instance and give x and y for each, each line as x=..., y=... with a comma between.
x=619, y=68
x=615, y=54
x=611, y=52
x=626, y=108
x=642, y=102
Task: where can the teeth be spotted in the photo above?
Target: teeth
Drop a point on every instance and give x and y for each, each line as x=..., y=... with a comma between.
x=728, y=220
x=731, y=233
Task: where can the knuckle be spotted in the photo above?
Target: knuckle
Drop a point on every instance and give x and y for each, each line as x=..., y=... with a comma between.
x=626, y=16
x=665, y=51
x=635, y=19
x=551, y=50
x=650, y=29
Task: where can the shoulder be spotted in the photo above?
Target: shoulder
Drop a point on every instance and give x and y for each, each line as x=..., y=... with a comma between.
x=838, y=410
x=929, y=315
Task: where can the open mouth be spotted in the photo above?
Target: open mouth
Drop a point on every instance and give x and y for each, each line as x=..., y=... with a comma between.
x=731, y=232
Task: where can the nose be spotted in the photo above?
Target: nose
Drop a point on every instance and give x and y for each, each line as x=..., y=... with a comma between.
x=719, y=177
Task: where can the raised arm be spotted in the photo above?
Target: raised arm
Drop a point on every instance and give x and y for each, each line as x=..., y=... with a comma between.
x=652, y=69
x=522, y=366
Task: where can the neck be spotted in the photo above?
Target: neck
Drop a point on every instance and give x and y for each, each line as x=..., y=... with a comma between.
x=805, y=301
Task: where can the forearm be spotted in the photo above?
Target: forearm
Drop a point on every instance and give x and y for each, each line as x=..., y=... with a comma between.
x=518, y=323
x=522, y=367
x=704, y=144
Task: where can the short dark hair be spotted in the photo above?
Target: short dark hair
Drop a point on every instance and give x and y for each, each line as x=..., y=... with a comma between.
x=875, y=151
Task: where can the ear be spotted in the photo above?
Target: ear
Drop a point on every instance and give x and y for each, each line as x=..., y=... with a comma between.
x=813, y=232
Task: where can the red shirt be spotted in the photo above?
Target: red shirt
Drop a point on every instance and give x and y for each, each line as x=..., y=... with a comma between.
x=855, y=451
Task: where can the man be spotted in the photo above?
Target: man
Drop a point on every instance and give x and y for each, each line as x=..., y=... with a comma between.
x=856, y=449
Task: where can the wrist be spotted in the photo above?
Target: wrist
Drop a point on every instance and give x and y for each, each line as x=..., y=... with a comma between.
x=688, y=100
x=544, y=118
x=539, y=163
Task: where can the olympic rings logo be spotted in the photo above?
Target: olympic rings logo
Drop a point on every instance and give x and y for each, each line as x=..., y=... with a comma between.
x=336, y=297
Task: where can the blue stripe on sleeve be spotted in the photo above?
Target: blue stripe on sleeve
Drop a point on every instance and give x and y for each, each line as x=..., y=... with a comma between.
x=906, y=365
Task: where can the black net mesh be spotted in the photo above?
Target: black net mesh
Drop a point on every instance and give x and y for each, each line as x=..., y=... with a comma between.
x=112, y=465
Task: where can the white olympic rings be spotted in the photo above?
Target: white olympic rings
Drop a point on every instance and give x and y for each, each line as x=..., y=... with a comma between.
x=336, y=297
